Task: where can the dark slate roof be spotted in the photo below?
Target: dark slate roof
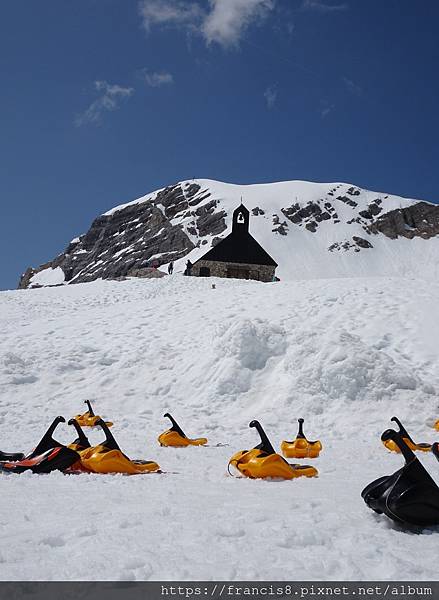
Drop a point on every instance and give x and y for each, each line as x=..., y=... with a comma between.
x=239, y=247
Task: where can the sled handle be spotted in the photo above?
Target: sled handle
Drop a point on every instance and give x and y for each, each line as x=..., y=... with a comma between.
x=47, y=440
x=90, y=409
x=265, y=444
x=402, y=429
x=109, y=441
x=82, y=438
x=300, y=433
x=175, y=426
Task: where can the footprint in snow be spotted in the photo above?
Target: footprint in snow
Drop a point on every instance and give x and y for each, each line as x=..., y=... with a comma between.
x=88, y=349
x=87, y=532
x=231, y=532
x=261, y=518
x=302, y=538
x=125, y=524
x=106, y=361
x=23, y=379
x=53, y=541
x=164, y=511
x=127, y=576
x=134, y=564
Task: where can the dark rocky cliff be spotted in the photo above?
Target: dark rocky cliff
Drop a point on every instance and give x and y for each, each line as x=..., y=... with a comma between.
x=419, y=220
x=137, y=237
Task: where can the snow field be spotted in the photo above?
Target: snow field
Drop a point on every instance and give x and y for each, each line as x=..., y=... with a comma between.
x=344, y=354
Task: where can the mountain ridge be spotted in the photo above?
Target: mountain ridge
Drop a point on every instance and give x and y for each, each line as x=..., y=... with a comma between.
x=311, y=229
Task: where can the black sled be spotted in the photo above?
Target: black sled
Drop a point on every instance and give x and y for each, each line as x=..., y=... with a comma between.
x=49, y=455
x=409, y=496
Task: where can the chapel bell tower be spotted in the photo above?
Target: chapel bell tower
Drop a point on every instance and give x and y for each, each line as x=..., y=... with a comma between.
x=241, y=217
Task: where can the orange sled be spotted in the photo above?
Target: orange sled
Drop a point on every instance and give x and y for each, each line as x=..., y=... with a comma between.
x=89, y=419
x=176, y=438
x=107, y=457
x=391, y=445
x=262, y=461
x=301, y=447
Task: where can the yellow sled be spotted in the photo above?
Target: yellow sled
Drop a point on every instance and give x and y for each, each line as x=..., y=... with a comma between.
x=176, y=438
x=393, y=447
x=89, y=419
x=107, y=457
x=262, y=461
x=301, y=447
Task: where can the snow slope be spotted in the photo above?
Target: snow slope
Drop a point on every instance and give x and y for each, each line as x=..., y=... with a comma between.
x=303, y=254
x=345, y=354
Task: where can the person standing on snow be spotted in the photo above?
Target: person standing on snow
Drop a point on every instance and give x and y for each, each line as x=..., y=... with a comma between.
x=171, y=268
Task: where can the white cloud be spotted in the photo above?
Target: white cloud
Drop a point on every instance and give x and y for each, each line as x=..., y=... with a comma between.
x=111, y=95
x=223, y=22
x=169, y=12
x=228, y=19
x=157, y=79
x=291, y=26
x=270, y=96
x=326, y=110
x=320, y=6
x=352, y=87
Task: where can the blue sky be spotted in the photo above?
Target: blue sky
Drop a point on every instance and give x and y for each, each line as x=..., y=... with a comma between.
x=102, y=101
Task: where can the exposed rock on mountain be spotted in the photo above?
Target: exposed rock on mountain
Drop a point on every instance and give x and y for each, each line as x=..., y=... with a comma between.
x=419, y=220
x=125, y=242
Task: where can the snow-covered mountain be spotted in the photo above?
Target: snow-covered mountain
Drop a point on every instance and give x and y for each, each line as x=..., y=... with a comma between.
x=312, y=230
x=344, y=353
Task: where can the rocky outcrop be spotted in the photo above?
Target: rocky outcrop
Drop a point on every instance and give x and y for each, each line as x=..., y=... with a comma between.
x=347, y=200
x=311, y=214
x=209, y=222
x=372, y=210
x=418, y=220
x=278, y=227
x=361, y=242
x=138, y=236
x=146, y=273
x=356, y=244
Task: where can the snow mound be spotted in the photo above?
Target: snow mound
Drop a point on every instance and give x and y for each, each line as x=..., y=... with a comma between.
x=50, y=276
x=346, y=369
x=242, y=347
x=251, y=343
